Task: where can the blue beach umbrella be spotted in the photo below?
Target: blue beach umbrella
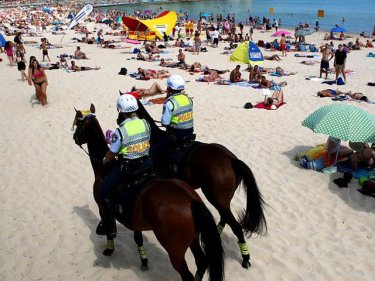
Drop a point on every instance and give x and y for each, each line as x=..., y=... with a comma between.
x=2, y=40
x=338, y=29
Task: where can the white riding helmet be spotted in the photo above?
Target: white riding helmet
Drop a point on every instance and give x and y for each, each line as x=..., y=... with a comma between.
x=127, y=103
x=176, y=82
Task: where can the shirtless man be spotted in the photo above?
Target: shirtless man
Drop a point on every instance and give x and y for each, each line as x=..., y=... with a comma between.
x=327, y=55
x=254, y=72
x=235, y=75
x=76, y=68
x=78, y=54
x=180, y=58
x=264, y=83
x=283, y=45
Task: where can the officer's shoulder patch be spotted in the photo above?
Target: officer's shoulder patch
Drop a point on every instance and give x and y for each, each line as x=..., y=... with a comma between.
x=114, y=138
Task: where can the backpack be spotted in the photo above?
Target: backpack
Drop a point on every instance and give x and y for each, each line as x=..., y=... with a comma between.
x=261, y=43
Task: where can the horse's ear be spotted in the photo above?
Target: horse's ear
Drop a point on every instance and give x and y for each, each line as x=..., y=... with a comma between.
x=78, y=113
x=92, y=108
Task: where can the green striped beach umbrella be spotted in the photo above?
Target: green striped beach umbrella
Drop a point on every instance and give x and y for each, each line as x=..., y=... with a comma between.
x=344, y=122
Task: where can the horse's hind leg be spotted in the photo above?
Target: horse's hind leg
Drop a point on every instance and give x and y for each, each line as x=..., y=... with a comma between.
x=179, y=264
x=200, y=259
x=141, y=249
x=227, y=216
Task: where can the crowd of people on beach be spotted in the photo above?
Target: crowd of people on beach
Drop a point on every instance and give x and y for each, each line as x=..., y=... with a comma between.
x=188, y=38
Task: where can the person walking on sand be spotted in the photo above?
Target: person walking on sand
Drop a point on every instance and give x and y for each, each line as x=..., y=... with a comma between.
x=327, y=55
x=339, y=62
x=44, y=46
x=8, y=49
x=21, y=64
x=38, y=77
x=283, y=45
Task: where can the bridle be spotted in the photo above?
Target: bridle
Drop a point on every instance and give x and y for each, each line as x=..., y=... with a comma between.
x=78, y=124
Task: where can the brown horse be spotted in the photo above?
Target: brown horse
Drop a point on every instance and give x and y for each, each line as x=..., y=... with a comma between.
x=169, y=207
x=218, y=172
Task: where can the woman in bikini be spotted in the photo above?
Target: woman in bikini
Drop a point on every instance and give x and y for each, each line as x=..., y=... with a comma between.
x=153, y=74
x=341, y=95
x=276, y=99
x=155, y=89
x=38, y=77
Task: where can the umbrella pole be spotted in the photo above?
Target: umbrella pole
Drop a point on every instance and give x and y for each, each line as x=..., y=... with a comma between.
x=337, y=153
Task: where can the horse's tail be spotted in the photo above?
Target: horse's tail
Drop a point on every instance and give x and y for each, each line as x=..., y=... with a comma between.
x=210, y=240
x=252, y=219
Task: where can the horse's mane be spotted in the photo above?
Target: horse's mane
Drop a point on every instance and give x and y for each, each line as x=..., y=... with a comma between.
x=156, y=132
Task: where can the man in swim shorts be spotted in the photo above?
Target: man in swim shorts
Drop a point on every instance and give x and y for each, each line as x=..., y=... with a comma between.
x=327, y=55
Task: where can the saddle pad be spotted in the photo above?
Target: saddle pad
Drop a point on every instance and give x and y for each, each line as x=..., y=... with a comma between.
x=127, y=196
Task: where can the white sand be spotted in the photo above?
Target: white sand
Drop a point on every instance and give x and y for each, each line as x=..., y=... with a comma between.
x=48, y=218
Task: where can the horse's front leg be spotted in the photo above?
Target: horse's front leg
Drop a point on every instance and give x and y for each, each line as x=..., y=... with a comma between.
x=110, y=246
x=141, y=249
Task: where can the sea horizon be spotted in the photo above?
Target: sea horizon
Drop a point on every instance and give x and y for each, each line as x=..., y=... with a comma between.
x=356, y=14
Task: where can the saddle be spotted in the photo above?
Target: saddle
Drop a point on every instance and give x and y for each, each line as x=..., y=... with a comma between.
x=179, y=155
x=137, y=176
x=127, y=196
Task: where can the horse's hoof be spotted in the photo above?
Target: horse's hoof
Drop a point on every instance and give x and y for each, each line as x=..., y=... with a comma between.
x=144, y=267
x=108, y=252
x=100, y=229
x=246, y=264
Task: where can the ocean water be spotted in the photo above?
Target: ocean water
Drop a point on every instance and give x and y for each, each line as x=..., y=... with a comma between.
x=359, y=15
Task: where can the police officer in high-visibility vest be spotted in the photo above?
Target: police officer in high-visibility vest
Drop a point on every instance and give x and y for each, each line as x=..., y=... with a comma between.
x=178, y=110
x=131, y=143
x=177, y=117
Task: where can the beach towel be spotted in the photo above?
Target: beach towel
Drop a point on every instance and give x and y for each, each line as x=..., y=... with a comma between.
x=228, y=83
x=134, y=74
x=160, y=100
x=304, y=56
x=261, y=105
x=344, y=167
x=241, y=84
x=332, y=82
x=316, y=79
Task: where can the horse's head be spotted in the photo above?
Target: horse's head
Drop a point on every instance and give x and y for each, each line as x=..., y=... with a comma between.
x=82, y=121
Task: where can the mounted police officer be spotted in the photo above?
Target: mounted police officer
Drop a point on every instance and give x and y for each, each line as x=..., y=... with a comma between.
x=178, y=119
x=131, y=143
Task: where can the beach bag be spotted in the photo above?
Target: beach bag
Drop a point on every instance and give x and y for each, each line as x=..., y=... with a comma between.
x=313, y=48
x=316, y=165
x=268, y=45
x=123, y=71
x=302, y=47
x=260, y=43
x=340, y=81
x=136, y=50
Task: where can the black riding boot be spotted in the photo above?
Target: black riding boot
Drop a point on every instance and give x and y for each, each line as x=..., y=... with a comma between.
x=109, y=220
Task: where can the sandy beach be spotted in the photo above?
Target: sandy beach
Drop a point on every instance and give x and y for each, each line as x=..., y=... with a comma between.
x=316, y=231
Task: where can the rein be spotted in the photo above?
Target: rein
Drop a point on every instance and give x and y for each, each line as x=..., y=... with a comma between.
x=91, y=157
